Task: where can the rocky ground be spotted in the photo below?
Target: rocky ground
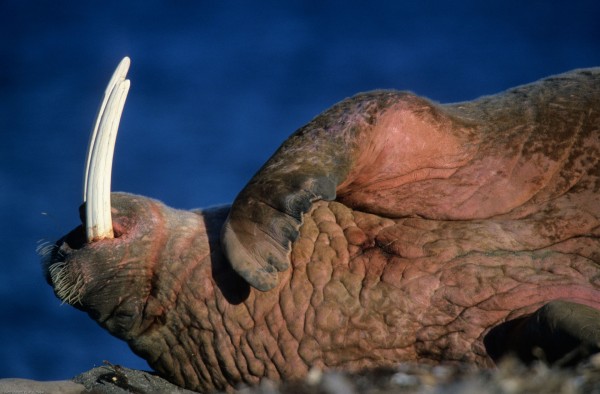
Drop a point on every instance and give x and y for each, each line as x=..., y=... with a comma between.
x=509, y=377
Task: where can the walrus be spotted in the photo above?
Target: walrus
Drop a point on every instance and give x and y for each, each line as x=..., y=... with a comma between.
x=390, y=228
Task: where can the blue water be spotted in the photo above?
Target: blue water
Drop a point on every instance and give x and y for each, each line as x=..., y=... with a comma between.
x=216, y=87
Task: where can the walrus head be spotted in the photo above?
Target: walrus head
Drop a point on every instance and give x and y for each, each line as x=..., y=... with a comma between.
x=125, y=263
x=108, y=278
x=68, y=264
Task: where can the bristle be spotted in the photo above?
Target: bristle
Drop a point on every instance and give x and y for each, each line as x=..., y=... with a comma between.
x=65, y=288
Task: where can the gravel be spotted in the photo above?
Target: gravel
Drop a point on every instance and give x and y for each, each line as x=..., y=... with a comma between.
x=510, y=376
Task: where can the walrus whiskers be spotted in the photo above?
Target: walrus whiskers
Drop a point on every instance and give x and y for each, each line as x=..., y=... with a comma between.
x=96, y=185
x=66, y=287
x=45, y=249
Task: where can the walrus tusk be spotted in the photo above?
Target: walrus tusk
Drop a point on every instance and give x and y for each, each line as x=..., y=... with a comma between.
x=98, y=167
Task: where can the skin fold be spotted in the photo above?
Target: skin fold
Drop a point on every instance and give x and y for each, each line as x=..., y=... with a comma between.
x=457, y=232
x=521, y=153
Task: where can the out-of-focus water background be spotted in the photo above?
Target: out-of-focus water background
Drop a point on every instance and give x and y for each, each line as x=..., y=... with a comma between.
x=216, y=87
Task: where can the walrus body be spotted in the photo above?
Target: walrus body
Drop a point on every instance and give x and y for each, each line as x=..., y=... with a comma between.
x=459, y=232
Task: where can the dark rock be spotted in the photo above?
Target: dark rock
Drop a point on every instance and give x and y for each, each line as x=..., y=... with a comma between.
x=114, y=379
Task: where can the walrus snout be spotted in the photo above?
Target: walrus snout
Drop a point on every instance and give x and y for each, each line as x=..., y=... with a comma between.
x=66, y=283
x=73, y=263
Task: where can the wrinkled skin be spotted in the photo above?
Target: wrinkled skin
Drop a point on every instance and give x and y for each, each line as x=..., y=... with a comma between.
x=459, y=233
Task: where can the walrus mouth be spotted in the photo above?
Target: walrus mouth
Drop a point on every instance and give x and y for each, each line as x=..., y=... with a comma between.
x=68, y=285
x=98, y=166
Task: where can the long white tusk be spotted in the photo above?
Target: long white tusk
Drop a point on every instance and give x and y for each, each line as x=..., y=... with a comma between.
x=98, y=167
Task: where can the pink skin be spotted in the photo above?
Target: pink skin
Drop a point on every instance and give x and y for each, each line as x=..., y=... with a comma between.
x=480, y=224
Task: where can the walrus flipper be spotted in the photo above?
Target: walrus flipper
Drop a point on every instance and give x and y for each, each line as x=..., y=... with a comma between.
x=258, y=233
x=309, y=166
